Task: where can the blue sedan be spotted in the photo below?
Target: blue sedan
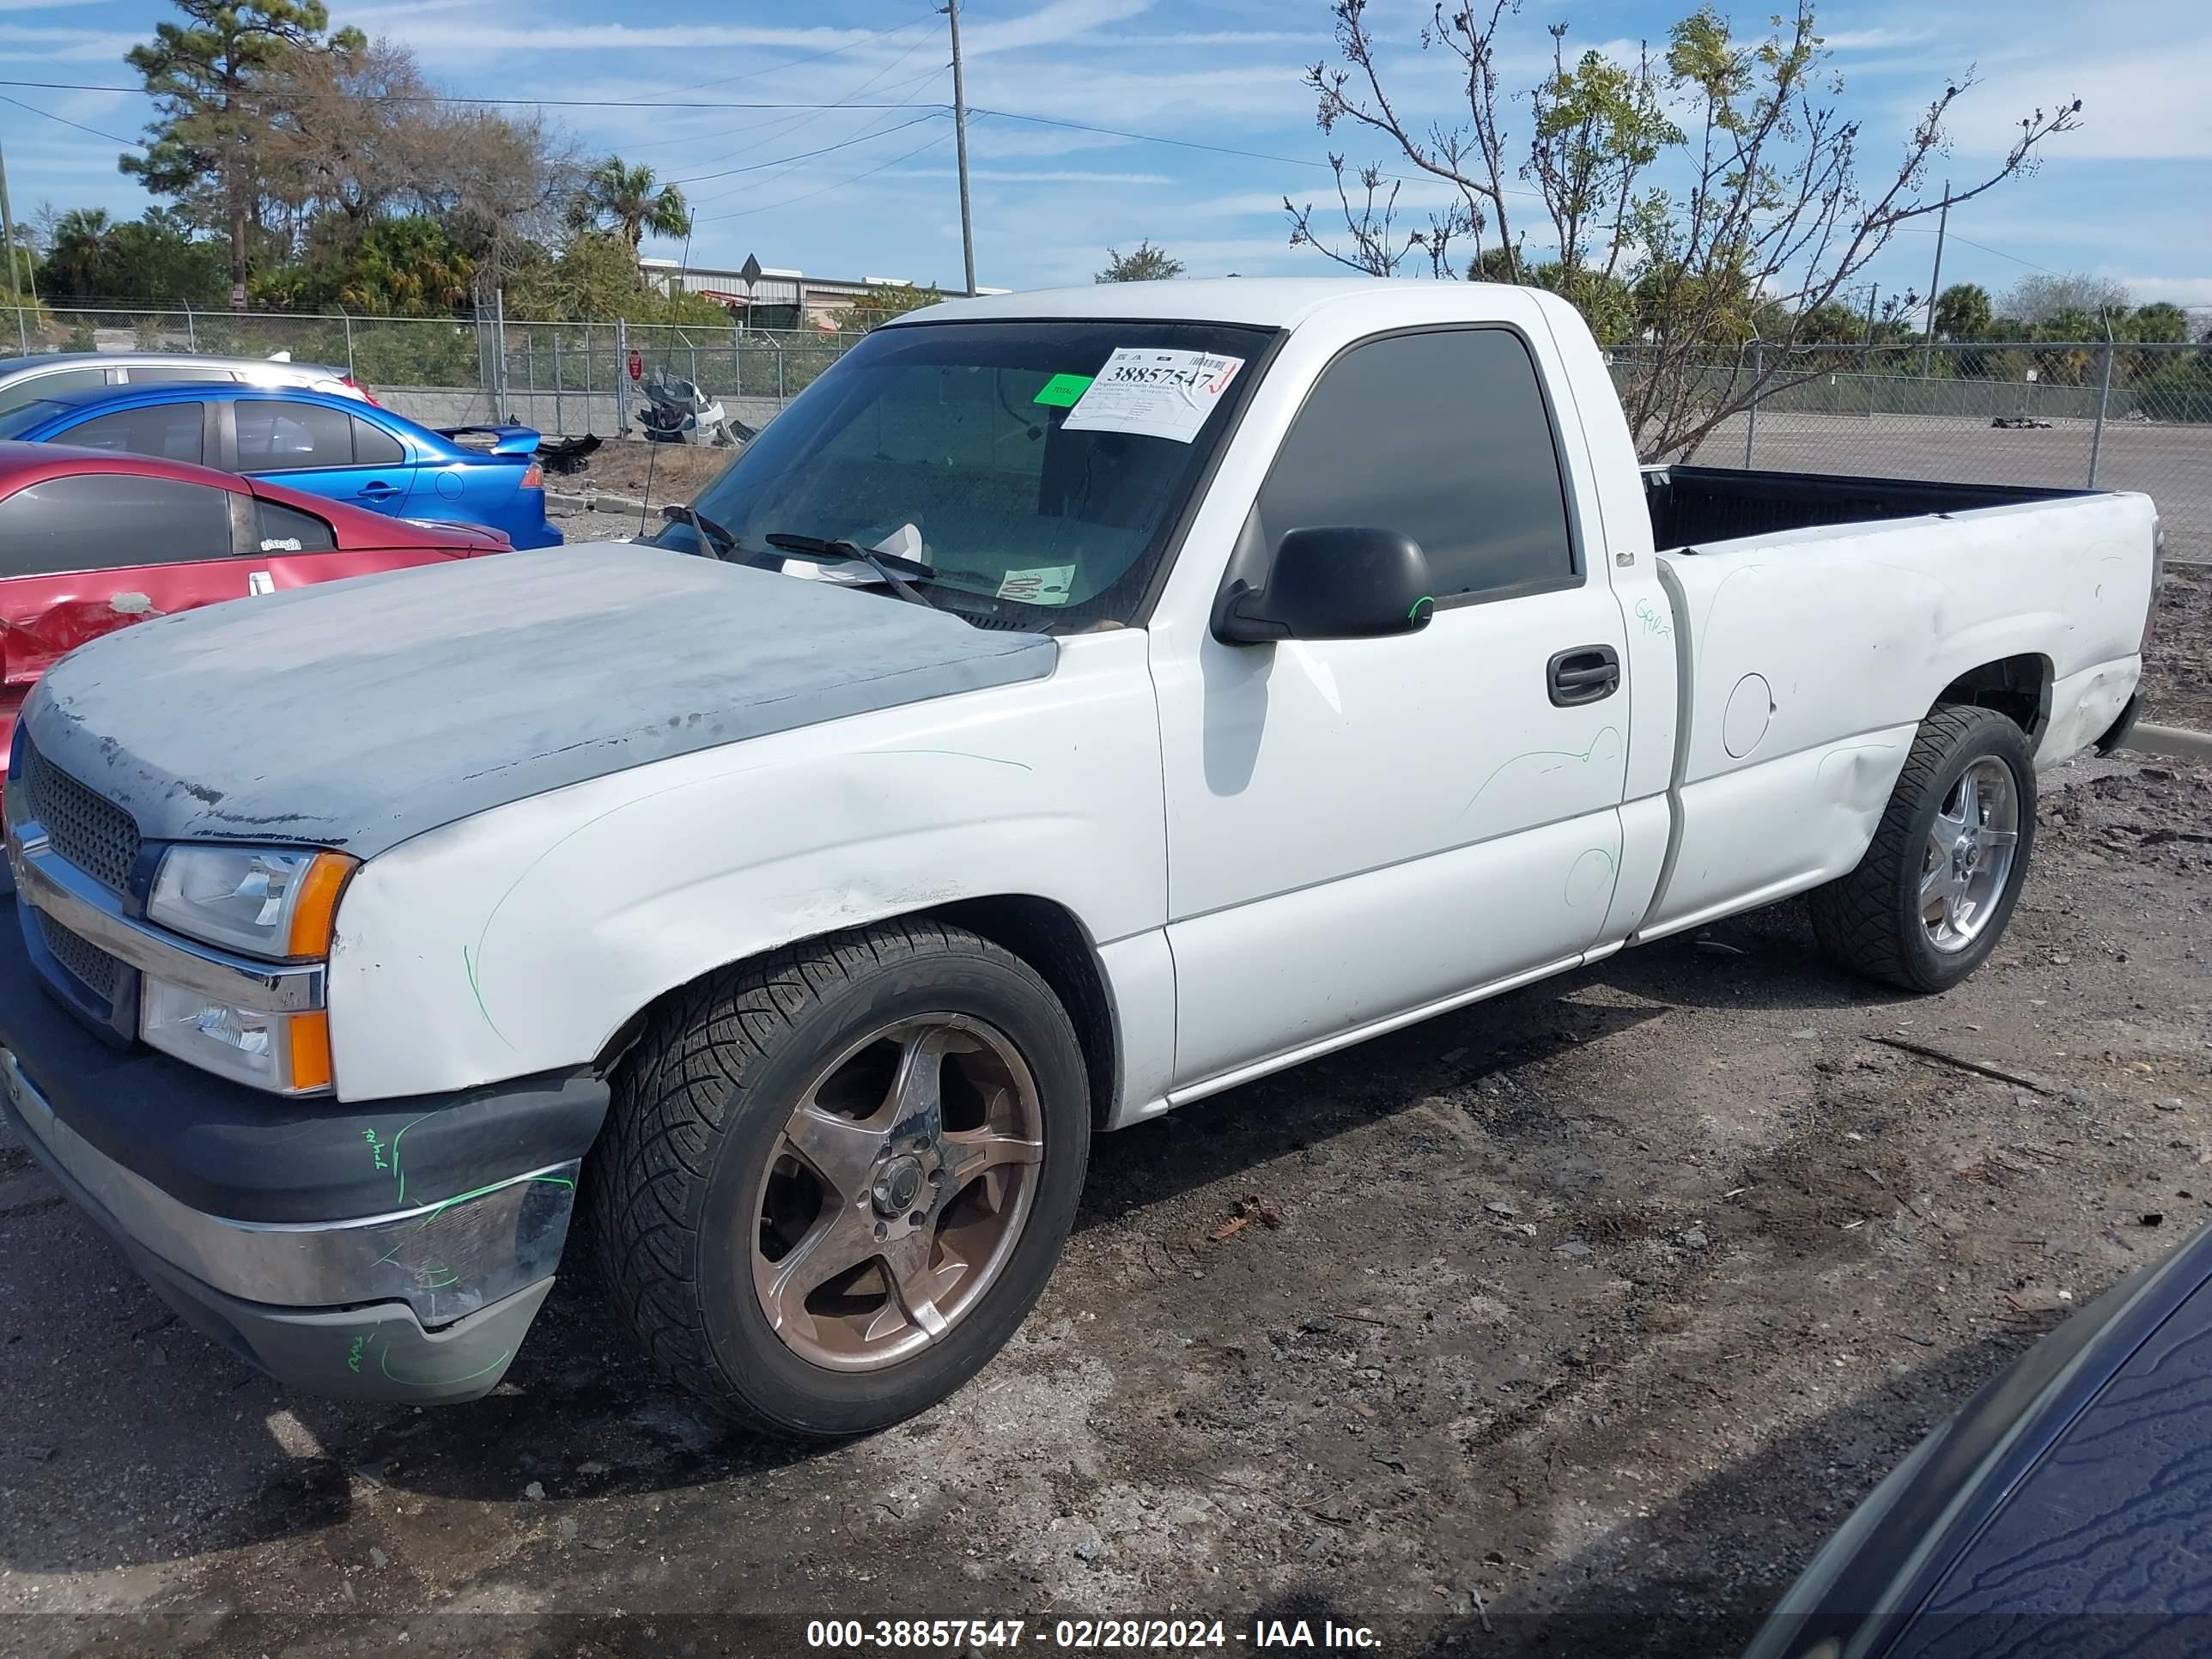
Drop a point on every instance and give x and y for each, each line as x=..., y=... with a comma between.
x=340, y=448
x=2065, y=1512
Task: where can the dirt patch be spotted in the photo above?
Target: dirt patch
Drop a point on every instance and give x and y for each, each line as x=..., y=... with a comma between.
x=675, y=472
x=1584, y=1315
x=2178, y=668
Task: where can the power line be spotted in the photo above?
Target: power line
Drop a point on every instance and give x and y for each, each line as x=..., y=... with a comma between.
x=112, y=137
x=809, y=154
x=817, y=108
x=766, y=207
x=1193, y=143
x=808, y=119
x=768, y=171
x=1922, y=230
x=523, y=103
x=1140, y=137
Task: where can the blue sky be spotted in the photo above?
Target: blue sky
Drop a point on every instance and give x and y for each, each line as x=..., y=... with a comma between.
x=2129, y=196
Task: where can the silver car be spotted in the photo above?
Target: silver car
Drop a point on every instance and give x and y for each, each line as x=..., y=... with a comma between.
x=22, y=379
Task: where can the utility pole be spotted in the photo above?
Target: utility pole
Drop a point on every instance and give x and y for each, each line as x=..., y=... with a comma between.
x=1874, y=294
x=960, y=143
x=7, y=240
x=1935, y=284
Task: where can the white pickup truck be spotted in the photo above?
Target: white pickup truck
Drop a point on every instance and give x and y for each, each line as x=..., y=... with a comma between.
x=1074, y=705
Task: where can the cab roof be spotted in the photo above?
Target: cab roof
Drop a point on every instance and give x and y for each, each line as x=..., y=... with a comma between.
x=1260, y=301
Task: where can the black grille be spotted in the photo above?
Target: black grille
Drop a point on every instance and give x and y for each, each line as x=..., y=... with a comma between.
x=94, y=834
x=92, y=967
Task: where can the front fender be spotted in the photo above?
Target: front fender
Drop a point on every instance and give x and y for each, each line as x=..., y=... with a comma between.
x=473, y=953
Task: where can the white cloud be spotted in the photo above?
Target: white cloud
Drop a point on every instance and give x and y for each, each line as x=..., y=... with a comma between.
x=1216, y=38
x=2175, y=290
x=2142, y=104
x=65, y=46
x=989, y=137
x=1065, y=176
x=441, y=36
x=1872, y=40
x=1051, y=24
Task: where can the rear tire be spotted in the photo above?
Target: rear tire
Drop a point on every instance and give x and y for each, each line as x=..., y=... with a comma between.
x=900, y=1113
x=1906, y=917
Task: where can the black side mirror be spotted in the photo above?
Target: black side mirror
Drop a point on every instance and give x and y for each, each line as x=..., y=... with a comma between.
x=1336, y=582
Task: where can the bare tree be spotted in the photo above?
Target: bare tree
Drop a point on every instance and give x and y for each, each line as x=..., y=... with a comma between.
x=355, y=134
x=2037, y=297
x=1698, y=205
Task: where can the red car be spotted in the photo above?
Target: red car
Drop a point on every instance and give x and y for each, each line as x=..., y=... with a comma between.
x=92, y=541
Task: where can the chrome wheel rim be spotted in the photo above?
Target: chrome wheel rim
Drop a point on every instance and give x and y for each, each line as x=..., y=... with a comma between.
x=1967, y=862
x=897, y=1192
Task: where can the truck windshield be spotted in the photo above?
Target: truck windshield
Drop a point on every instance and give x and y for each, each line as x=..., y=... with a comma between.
x=981, y=451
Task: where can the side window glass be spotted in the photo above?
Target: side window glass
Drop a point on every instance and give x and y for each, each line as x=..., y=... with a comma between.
x=373, y=447
x=22, y=388
x=158, y=374
x=282, y=529
x=176, y=432
x=1443, y=437
x=276, y=436
x=110, y=521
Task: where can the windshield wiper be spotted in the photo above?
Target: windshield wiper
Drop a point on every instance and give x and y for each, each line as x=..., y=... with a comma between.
x=893, y=567
x=709, y=532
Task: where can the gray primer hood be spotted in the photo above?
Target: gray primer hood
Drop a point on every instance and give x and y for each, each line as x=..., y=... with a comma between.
x=358, y=714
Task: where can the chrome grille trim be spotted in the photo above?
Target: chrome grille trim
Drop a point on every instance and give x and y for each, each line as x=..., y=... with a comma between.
x=53, y=886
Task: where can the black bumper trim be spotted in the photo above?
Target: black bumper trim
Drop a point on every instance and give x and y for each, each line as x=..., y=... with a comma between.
x=229, y=1151
x=376, y=1352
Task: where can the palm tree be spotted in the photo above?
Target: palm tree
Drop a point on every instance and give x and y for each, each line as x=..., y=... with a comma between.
x=623, y=198
x=83, y=237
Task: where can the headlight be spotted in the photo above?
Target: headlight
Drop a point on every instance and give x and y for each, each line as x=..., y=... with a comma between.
x=253, y=899
x=260, y=901
x=289, y=1053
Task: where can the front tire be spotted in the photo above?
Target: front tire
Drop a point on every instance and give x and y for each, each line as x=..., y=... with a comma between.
x=835, y=1181
x=1930, y=899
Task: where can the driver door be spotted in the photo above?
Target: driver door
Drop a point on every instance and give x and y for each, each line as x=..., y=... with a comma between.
x=1359, y=828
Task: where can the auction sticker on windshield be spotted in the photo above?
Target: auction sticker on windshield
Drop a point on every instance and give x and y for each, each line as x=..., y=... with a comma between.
x=1153, y=393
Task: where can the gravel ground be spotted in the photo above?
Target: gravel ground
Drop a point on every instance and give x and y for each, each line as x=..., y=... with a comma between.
x=1566, y=1324
x=2178, y=669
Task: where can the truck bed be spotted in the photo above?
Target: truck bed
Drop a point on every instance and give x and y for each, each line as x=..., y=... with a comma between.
x=1692, y=506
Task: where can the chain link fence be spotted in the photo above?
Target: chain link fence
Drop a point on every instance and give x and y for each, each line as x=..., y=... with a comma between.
x=2091, y=414
x=2107, y=416
x=561, y=378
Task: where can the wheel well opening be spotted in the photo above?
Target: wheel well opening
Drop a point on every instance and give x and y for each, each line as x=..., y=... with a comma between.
x=2019, y=688
x=1051, y=940
x=1039, y=931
